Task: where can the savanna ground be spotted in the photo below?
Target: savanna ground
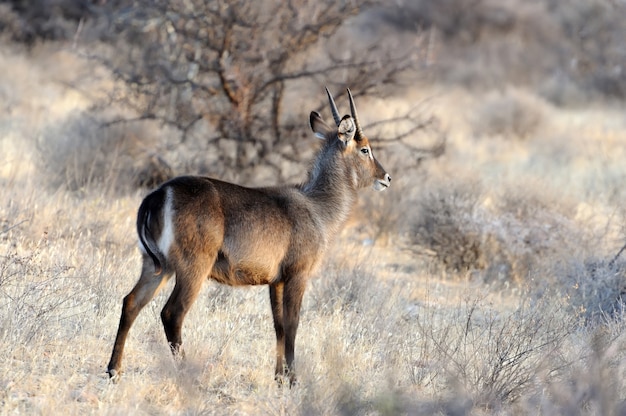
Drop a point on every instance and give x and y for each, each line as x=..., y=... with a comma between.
x=484, y=281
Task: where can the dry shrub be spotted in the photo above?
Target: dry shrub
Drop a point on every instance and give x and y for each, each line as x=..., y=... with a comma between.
x=569, y=53
x=505, y=236
x=525, y=230
x=523, y=236
x=508, y=114
x=493, y=358
x=594, y=383
x=33, y=20
x=33, y=295
x=594, y=288
x=345, y=289
x=83, y=152
x=445, y=226
x=383, y=212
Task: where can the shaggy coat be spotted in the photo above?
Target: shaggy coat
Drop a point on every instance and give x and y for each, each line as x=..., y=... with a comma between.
x=197, y=228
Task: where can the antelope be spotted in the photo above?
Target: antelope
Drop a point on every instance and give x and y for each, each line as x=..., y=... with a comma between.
x=197, y=228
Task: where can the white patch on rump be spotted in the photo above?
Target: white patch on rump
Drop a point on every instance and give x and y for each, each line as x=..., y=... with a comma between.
x=167, y=233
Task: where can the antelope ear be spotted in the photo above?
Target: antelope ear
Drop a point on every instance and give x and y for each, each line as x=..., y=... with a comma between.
x=346, y=129
x=320, y=128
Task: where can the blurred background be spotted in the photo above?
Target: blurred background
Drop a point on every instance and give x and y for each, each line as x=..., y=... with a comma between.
x=233, y=83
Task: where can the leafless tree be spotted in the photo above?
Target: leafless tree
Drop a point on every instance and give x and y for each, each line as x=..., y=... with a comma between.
x=230, y=63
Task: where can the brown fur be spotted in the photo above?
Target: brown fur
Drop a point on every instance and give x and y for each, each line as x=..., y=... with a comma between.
x=249, y=236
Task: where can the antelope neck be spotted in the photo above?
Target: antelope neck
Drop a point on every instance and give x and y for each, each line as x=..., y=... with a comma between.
x=331, y=187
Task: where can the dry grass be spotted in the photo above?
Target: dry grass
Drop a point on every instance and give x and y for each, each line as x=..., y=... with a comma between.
x=511, y=114
x=514, y=309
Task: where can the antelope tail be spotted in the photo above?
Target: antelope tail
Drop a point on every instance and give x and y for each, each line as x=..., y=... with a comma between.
x=145, y=222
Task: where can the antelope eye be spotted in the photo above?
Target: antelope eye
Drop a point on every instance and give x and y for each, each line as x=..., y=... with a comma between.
x=365, y=150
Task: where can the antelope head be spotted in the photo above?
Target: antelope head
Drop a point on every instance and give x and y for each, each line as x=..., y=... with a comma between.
x=357, y=153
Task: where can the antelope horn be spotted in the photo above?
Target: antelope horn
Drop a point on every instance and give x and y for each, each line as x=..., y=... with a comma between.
x=333, y=108
x=355, y=116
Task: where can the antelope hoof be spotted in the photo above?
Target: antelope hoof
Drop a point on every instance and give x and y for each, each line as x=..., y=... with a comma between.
x=286, y=380
x=114, y=375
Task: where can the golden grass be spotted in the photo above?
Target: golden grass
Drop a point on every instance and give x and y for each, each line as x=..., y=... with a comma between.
x=383, y=331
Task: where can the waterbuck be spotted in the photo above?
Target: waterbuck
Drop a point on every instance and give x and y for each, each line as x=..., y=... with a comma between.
x=198, y=228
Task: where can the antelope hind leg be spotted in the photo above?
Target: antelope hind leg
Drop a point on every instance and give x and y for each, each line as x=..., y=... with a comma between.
x=145, y=289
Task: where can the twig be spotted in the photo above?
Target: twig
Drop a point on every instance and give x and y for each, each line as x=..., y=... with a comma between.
x=612, y=262
x=79, y=29
x=6, y=230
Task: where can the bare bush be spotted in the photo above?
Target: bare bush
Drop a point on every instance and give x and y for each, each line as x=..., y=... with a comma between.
x=582, y=388
x=30, y=21
x=567, y=53
x=445, y=226
x=31, y=296
x=344, y=289
x=84, y=151
x=508, y=115
x=594, y=288
x=235, y=68
x=494, y=358
x=506, y=236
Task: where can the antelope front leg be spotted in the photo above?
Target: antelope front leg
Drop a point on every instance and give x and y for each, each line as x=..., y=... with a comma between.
x=292, y=300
